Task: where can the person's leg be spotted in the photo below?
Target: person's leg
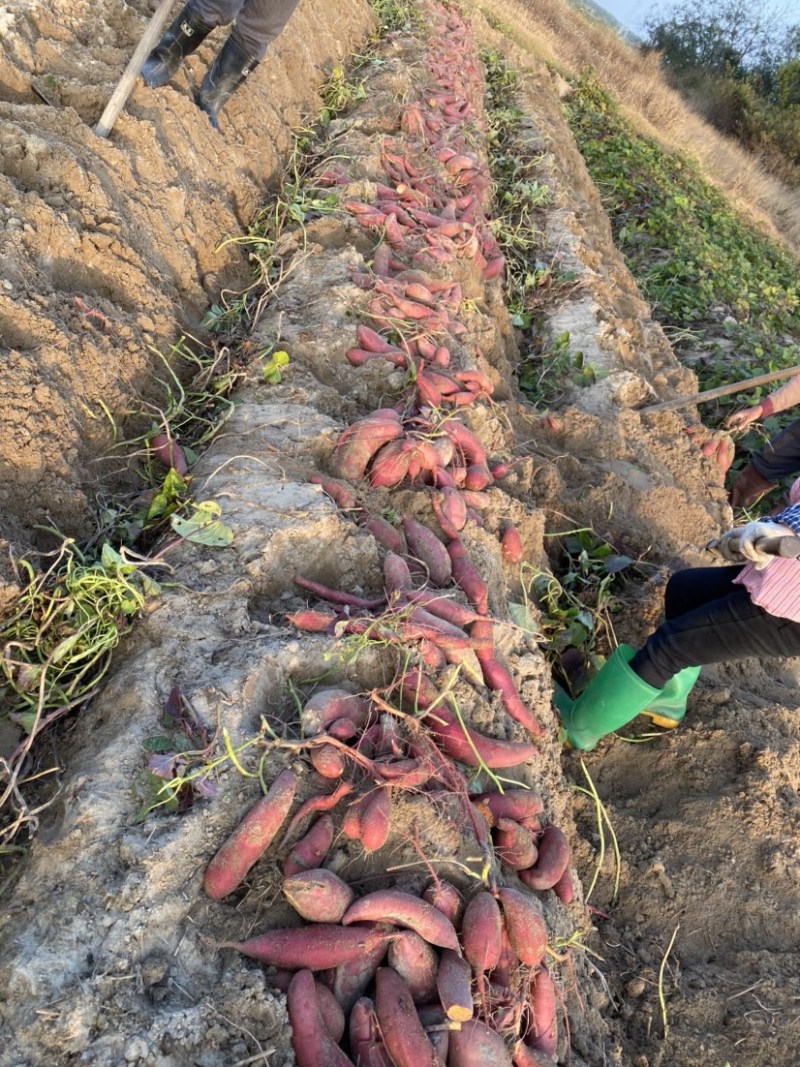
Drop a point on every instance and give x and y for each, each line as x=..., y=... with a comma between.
x=695, y=586
x=727, y=629
x=188, y=31
x=257, y=25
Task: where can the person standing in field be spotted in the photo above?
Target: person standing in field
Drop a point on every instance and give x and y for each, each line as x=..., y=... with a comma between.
x=256, y=24
x=779, y=458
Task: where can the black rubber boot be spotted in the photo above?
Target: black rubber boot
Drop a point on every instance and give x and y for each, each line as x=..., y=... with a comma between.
x=185, y=35
x=226, y=74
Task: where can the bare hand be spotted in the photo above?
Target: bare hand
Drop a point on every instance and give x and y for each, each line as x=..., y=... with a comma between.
x=740, y=419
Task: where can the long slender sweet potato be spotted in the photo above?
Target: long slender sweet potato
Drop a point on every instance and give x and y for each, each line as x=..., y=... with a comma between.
x=403, y=1033
x=454, y=985
x=310, y=851
x=543, y=1031
x=318, y=895
x=527, y=933
x=416, y=961
x=564, y=888
x=476, y=1045
x=313, y=804
x=250, y=839
x=555, y=854
x=482, y=932
x=311, y=1040
x=497, y=678
x=403, y=909
x=523, y=1055
x=466, y=576
x=470, y=747
x=317, y=947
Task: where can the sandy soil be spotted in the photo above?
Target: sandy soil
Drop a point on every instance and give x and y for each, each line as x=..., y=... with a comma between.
x=110, y=249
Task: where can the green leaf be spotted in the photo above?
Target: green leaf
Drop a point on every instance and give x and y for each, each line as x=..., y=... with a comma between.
x=203, y=527
x=521, y=617
x=615, y=564
x=272, y=370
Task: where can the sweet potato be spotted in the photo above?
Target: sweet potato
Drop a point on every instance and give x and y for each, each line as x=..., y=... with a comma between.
x=250, y=839
x=564, y=888
x=442, y=606
x=527, y=933
x=328, y=705
x=314, y=804
x=366, y=1045
x=391, y=464
x=318, y=895
x=310, y=851
x=329, y=761
x=497, y=678
x=476, y=1045
x=426, y=547
x=386, y=534
x=315, y=622
x=350, y=980
x=360, y=441
x=403, y=909
x=454, y=985
x=466, y=576
x=543, y=1030
x=511, y=544
x=445, y=898
x=482, y=932
x=415, y=961
x=470, y=747
x=514, y=845
x=374, y=819
x=403, y=1033
x=168, y=452
x=554, y=857
x=311, y=1040
x=317, y=947
x=331, y=1010
x=339, y=492
x=512, y=804
x=396, y=575
x=523, y=1055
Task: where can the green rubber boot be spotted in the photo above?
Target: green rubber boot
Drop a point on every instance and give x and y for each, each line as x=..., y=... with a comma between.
x=669, y=707
x=613, y=697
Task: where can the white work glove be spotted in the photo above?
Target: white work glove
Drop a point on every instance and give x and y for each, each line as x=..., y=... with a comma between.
x=740, y=542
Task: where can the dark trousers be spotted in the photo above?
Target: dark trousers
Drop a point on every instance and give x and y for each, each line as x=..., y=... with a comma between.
x=711, y=620
x=258, y=22
x=779, y=457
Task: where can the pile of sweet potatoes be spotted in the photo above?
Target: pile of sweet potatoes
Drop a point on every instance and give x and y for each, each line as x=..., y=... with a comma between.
x=415, y=974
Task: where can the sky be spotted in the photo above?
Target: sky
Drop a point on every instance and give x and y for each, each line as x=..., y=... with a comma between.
x=632, y=13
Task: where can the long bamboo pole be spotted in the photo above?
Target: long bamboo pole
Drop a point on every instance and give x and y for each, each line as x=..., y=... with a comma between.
x=721, y=390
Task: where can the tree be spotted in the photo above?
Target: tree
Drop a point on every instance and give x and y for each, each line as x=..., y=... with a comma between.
x=732, y=37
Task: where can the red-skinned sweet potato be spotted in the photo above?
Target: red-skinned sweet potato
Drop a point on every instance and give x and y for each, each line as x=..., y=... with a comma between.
x=482, y=932
x=360, y=441
x=403, y=1033
x=514, y=845
x=527, y=933
x=351, y=979
x=470, y=747
x=476, y=1045
x=543, y=1031
x=366, y=1045
x=314, y=804
x=317, y=947
x=329, y=761
x=416, y=962
x=250, y=839
x=436, y=1026
x=446, y=898
x=311, y=1040
x=555, y=854
x=403, y=909
x=514, y=803
x=466, y=576
x=310, y=851
x=426, y=547
x=318, y=895
x=328, y=705
x=454, y=985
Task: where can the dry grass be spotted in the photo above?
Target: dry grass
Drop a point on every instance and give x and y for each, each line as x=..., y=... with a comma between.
x=556, y=34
